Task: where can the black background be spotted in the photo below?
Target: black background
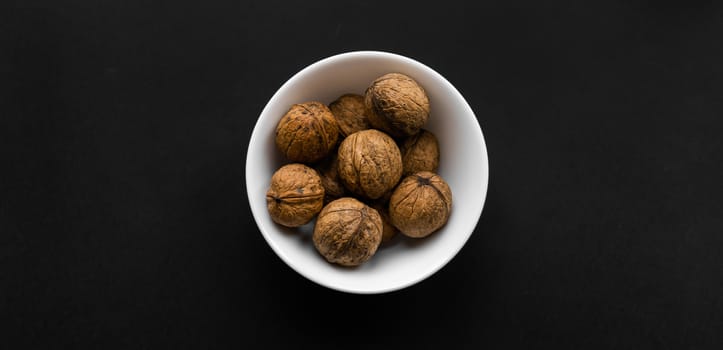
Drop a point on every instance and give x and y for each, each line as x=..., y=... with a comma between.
x=124, y=221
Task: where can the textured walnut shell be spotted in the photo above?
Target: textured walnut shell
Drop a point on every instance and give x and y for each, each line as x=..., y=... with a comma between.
x=350, y=114
x=398, y=105
x=328, y=171
x=347, y=232
x=421, y=204
x=420, y=152
x=295, y=195
x=307, y=132
x=370, y=163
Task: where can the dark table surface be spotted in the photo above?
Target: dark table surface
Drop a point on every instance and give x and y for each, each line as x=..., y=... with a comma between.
x=124, y=221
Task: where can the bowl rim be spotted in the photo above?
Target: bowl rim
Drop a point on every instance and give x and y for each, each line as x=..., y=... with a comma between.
x=255, y=135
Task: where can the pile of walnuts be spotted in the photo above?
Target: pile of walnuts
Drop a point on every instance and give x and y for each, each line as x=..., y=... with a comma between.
x=364, y=167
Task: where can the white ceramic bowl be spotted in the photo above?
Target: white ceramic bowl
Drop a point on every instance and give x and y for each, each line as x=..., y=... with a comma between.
x=463, y=164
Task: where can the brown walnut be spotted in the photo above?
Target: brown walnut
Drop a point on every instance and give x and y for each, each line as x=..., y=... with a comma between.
x=421, y=204
x=397, y=104
x=307, y=132
x=420, y=152
x=295, y=195
x=370, y=163
x=350, y=114
x=347, y=232
x=328, y=171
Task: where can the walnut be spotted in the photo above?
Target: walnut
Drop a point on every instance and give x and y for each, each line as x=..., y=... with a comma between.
x=370, y=163
x=420, y=152
x=420, y=204
x=295, y=196
x=397, y=105
x=328, y=171
x=350, y=114
x=347, y=232
x=307, y=132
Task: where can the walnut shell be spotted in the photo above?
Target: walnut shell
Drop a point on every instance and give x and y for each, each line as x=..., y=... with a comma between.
x=307, y=132
x=328, y=171
x=295, y=195
x=421, y=204
x=347, y=232
x=420, y=152
x=350, y=114
x=370, y=163
x=398, y=104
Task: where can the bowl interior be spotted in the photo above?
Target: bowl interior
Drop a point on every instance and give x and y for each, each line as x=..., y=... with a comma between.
x=463, y=164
